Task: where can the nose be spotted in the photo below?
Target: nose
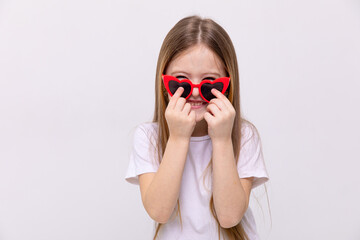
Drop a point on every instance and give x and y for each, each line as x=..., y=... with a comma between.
x=195, y=92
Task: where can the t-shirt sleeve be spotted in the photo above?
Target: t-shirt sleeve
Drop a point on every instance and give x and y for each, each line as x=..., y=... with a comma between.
x=142, y=156
x=251, y=161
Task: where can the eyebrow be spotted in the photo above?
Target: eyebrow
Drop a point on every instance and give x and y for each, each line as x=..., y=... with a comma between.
x=208, y=73
x=179, y=72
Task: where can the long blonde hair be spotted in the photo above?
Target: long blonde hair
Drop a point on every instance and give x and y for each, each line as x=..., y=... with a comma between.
x=188, y=32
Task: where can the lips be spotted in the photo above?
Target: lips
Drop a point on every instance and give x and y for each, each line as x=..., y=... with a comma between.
x=196, y=103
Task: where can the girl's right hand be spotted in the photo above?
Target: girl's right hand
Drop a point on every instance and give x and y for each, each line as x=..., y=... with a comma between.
x=179, y=117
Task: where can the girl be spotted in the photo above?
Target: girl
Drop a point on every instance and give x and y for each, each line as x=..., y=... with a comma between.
x=197, y=127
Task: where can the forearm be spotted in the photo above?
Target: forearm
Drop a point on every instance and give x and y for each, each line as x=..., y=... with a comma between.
x=230, y=200
x=163, y=192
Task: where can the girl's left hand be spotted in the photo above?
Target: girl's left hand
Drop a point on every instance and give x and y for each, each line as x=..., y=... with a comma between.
x=220, y=117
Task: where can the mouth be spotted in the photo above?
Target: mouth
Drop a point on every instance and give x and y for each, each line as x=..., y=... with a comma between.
x=196, y=104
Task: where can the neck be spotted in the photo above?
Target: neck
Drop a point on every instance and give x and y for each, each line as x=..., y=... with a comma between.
x=201, y=129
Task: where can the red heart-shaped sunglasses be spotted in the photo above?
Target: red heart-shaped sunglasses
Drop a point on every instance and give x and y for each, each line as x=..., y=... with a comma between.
x=172, y=84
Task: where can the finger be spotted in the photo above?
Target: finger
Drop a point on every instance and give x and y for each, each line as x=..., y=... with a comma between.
x=222, y=97
x=213, y=109
x=208, y=117
x=175, y=97
x=187, y=108
x=192, y=115
x=219, y=103
x=180, y=104
x=217, y=93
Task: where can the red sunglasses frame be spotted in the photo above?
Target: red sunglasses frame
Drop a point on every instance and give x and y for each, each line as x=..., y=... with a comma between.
x=167, y=78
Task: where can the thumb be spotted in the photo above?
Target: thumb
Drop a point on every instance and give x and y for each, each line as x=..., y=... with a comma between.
x=208, y=117
x=192, y=115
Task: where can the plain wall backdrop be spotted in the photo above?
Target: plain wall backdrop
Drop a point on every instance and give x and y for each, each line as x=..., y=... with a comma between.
x=77, y=77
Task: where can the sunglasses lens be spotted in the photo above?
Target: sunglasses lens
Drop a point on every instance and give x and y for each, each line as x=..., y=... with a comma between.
x=174, y=85
x=206, y=89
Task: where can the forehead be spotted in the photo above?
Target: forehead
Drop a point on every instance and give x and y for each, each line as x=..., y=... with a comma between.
x=196, y=60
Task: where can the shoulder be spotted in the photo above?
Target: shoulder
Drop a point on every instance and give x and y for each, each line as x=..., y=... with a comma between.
x=248, y=129
x=147, y=127
x=147, y=130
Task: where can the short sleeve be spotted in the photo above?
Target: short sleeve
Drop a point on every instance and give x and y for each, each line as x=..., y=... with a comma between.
x=251, y=161
x=143, y=154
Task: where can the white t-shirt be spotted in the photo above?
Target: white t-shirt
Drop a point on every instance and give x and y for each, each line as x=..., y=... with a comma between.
x=197, y=220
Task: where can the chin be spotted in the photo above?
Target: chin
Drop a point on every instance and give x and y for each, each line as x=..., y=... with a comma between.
x=199, y=116
x=199, y=119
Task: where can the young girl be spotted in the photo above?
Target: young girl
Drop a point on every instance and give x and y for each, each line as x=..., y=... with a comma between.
x=197, y=126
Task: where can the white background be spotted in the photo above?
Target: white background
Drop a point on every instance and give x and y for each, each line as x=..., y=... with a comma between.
x=77, y=76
